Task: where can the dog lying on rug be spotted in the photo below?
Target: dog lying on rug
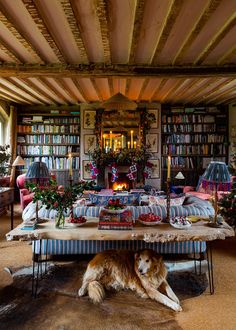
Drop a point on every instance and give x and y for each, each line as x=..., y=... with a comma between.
x=143, y=272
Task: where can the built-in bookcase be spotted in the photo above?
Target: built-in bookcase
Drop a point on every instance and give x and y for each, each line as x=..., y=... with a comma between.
x=193, y=137
x=49, y=138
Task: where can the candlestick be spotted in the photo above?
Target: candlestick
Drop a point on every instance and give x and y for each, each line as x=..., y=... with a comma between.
x=131, y=139
x=168, y=167
x=110, y=139
x=135, y=144
x=128, y=145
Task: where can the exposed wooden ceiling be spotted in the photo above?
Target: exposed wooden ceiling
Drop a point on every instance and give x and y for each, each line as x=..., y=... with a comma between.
x=73, y=51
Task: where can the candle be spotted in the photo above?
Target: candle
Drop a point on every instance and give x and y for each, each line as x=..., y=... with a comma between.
x=128, y=144
x=106, y=147
x=110, y=139
x=135, y=144
x=168, y=167
x=115, y=144
x=122, y=141
x=70, y=164
x=132, y=139
x=104, y=140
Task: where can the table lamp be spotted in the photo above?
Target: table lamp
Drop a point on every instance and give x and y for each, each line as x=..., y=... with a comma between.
x=216, y=178
x=19, y=161
x=38, y=173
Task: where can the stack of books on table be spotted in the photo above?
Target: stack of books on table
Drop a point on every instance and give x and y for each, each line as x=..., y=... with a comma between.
x=110, y=221
x=30, y=225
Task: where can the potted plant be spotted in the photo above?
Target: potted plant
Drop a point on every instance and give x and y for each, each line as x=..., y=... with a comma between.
x=4, y=159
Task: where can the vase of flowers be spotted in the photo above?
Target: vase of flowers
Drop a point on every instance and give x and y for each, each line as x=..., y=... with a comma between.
x=59, y=198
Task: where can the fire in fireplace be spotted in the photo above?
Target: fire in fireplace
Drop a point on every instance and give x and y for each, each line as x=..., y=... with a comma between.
x=122, y=183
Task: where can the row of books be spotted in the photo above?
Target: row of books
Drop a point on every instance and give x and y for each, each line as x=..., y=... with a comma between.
x=48, y=129
x=50, y=120
x=197, y=149
x=203, y=110
x=184, y=162
x=121, y=221
x=188, y=118
x=197, y=138
x=189, y=128
x=43, y=150
x=44, y=138
x=55, y=163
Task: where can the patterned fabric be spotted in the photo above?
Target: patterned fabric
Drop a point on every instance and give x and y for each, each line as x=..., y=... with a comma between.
x=63, y=247
x=157, y=200
x=131, y=199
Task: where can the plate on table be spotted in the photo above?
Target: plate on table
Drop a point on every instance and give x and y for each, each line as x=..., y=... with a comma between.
x=180, y=222
x=80, y=222
x=149, y=219
x=119, y=211
x=149, y=223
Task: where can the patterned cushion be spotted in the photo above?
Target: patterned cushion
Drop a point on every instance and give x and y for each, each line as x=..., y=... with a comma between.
x=131, y=199
x=158, y=200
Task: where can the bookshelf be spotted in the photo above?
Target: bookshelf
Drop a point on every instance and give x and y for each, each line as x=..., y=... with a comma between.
x=193, y=137
x=50, y=138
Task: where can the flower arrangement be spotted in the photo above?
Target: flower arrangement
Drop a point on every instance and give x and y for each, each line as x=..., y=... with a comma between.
x=123, y=156
x=227, y=206
x=58, y=197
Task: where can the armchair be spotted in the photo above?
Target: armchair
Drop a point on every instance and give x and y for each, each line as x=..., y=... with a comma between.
x=25, y=195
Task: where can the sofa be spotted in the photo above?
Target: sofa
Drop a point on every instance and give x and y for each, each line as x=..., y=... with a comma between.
x=192, y=206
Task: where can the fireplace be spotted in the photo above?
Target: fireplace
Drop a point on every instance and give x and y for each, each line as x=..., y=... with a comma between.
x=122, y=183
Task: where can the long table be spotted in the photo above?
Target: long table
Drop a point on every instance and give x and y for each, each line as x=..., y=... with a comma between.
x=162, y=233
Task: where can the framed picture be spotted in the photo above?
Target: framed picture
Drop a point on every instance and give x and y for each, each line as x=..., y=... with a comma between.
x=89, y=143
x=86, y=170
x=89, y=119
x=152, y=142
x=155, y=168
x=154, y=114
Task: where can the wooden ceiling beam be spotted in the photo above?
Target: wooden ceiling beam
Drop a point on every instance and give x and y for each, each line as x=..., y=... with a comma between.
x=137, y=28
x=103, y=17
x=118, y=70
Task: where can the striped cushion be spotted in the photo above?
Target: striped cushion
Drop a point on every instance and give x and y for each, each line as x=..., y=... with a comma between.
x=64, y=247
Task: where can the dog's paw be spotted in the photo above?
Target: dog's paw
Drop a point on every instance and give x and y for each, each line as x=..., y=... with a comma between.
x=81, y=292
x=177, y=308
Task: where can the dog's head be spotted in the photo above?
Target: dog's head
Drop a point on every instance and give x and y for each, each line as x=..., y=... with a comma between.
x=147, y=261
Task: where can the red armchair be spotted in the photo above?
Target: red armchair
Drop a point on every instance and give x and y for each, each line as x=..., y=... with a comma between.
x=25, y=195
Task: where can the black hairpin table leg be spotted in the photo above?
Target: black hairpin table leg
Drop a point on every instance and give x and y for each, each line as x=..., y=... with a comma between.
x=210, y=267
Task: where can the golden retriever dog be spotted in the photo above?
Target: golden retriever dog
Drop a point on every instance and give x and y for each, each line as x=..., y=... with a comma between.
x=143, y=272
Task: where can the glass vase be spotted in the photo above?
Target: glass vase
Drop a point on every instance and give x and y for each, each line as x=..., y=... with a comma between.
x=60, y=220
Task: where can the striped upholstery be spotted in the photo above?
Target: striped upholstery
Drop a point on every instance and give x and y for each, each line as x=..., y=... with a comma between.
x=63, y=247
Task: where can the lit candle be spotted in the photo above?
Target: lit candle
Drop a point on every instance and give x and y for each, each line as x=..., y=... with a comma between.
x=122, y=141
x=168, y=167
x=110, y=139
x=70, y=165
x=115, y=144
x=104, y=140
x=128, y=144
x=135, y=144
x=132, y=139
x=106, y=147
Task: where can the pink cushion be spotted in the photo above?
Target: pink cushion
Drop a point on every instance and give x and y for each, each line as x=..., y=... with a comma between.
x=199, y=194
